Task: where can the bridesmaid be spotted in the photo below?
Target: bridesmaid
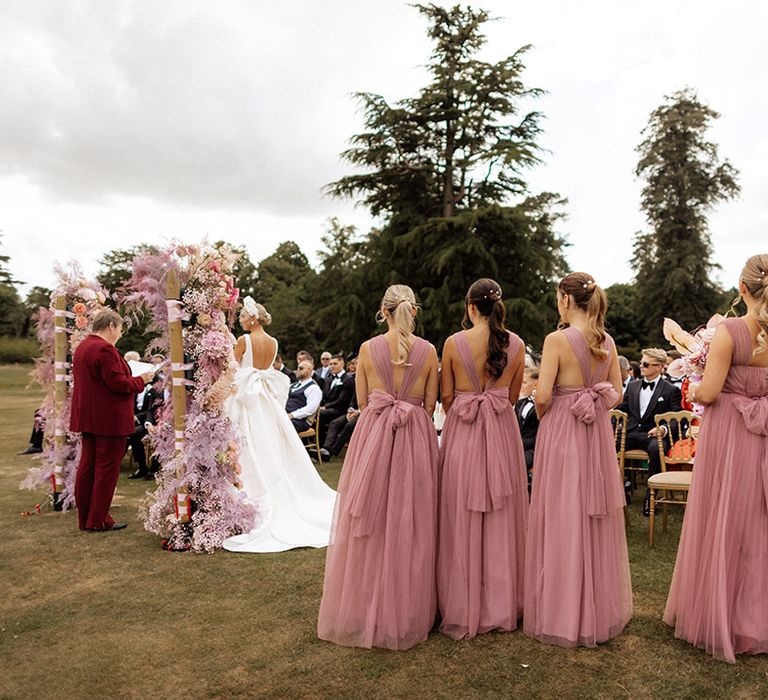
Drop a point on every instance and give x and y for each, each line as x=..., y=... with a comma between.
x=719, y=595
x=380, y=568
x=577, y=584
x=484, y=489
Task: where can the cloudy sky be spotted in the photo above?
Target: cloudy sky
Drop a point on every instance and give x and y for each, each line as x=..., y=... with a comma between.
x=130, y=121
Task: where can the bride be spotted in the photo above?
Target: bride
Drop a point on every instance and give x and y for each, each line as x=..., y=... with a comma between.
x=295, y=506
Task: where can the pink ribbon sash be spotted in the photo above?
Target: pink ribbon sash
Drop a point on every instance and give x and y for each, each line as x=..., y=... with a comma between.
x=584, y=406
x=368, y=486
x=754, y=411
x=490, y=480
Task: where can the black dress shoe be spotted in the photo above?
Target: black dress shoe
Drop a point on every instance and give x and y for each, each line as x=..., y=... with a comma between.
x=325, y=454
x=647, y=505
x=30, y=451
x=139, y=474
x=114, y=526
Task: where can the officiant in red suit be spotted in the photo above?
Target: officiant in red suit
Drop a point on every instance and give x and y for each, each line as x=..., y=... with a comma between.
x=102, y=410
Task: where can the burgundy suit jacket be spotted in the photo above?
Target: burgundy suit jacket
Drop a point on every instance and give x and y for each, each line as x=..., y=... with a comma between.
x=104, y=390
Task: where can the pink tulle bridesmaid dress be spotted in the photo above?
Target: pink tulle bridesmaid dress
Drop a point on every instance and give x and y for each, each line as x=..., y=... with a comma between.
x=379, y=588
x=718, y=599
x=483, y=508
x=577, y=582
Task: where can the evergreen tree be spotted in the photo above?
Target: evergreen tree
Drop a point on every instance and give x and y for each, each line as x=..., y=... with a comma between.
x=12, y=312
x=623, y=321
x=284, y=281
x=343, y=301
x=443, y=168
x=684, y=179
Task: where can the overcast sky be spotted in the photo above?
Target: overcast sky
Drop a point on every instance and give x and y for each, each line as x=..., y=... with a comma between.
x=130, y=121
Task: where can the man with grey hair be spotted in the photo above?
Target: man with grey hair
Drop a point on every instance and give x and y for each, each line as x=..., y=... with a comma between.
x=626, y=372
x=644, y=400
x=324, y=370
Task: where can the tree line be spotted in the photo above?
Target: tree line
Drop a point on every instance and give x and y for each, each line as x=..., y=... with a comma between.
x=444, y=171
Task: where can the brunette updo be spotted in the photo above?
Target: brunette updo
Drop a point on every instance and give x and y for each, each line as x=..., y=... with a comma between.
x=755, y=278
x=485, y=294
x=591, y=298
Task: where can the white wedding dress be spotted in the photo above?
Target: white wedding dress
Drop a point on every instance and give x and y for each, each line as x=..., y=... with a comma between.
x=295, y=506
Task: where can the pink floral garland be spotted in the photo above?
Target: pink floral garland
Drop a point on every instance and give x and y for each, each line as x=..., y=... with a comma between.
x=210, y=452
x=84, y=299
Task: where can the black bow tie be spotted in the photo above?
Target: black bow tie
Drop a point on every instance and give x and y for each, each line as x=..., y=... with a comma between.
x=648, y=385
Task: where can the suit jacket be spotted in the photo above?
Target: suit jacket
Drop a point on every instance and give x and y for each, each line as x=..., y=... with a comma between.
x=104, y=392
x=529, y=426
x=339, y=397
x=291, y=376
x=665, y=397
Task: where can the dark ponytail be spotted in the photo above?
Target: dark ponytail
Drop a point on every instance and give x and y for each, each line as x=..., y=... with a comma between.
x=485, y=294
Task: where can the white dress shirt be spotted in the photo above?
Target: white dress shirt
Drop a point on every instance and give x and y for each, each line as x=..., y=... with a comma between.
x=645, y=396
x=314, y=396
x=527, y=407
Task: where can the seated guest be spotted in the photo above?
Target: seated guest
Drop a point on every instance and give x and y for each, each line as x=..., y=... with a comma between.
x=526, y=415
x=642, y=401
x=337, y=394
x=304, y=397
x=280, y=367
x=322, y=372
x=38, y=433
x=634, y=370
x=626, y=371
x=352, y=367
x=340, y=431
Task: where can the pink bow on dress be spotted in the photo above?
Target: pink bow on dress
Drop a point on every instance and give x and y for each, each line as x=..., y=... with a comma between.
x=584, y=405
x=490, y=481
x=754, y=411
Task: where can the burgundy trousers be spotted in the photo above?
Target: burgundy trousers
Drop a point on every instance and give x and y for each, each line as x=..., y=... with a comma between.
x=96, y=479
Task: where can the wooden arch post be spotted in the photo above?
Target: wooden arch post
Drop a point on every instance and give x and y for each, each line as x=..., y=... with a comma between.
x=61, y=388
x=179, y=395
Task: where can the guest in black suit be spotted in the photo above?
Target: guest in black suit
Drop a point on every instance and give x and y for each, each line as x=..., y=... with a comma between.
x=280, y=367
x=324, y=370
x=642, y=401
x=626, y=372
x=337, y=394
x=526, y=415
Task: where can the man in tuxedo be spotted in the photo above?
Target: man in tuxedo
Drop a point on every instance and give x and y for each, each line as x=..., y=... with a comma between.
x=526, y=415
x=102, y=410
x=340, y=429
x=643, y=400
x=324, y=370
x=337, y=394
x=304, y=397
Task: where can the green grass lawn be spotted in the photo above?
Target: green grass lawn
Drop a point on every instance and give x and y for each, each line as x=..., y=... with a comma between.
x=92, y=615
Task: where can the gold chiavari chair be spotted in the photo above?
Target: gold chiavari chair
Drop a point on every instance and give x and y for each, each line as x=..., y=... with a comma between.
x=311, y=436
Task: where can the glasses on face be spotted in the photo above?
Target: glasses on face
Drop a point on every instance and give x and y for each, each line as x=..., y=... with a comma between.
x=649, y=364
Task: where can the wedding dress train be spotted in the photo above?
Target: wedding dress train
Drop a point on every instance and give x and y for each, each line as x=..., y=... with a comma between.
x=295, y=506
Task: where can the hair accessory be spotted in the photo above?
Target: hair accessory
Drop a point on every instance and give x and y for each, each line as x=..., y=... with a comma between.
x=250, y=306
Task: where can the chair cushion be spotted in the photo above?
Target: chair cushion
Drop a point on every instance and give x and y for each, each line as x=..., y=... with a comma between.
x=635, y=454
x=666, y=480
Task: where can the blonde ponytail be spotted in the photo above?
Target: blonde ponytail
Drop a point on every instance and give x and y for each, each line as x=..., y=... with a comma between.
x=589, y=297
x=755, y=278
x=400, y=303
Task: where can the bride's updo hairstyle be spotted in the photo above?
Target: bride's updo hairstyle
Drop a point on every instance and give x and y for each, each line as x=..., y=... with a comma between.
x=485, y=294
x=590, y=298
x=755, y=278
x=400, y=303
x=255, y=311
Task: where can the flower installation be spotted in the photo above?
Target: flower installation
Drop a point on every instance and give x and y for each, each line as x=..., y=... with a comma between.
x=83, y=299
x=206, y=466
x=694, y=348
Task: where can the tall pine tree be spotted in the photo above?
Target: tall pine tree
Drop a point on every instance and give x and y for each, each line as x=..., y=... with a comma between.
x=444, y=170
x=684, y=179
